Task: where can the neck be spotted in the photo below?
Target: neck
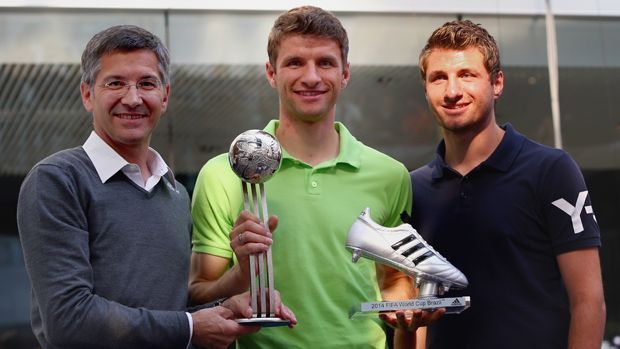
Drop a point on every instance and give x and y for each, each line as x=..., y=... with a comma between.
x=132, y=153
x=467, y=149
x=138, y=155
x=310, y=142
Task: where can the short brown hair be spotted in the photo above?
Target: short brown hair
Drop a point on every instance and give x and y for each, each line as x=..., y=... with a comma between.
x=460, y=35
x=307, y=20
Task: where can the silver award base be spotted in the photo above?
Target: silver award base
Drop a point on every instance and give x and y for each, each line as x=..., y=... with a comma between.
x=264, y=321
x=454, y=305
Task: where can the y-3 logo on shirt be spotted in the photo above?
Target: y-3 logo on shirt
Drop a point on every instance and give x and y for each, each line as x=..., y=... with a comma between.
x=575, y=211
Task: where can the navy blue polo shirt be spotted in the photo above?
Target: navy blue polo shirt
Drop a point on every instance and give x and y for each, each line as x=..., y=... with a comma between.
x=502, y=225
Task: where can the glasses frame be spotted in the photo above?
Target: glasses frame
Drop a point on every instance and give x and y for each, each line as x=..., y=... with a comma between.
x=123, y=89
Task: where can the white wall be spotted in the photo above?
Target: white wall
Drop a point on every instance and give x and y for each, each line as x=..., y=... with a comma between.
x=560, y=7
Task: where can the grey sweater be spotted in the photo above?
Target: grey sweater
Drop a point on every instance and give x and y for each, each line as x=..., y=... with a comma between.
x=108, y=262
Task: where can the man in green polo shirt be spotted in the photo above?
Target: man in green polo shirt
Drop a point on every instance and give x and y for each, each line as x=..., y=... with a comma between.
x=326, y=179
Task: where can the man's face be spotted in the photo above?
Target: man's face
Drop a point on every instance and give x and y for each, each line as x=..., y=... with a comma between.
x=308, y=75
x=459, y=90
x=126, y=117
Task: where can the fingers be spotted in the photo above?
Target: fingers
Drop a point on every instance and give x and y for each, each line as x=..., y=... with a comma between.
x=282, y=311
x=404, y=323
x=246, y=216
x=239, y=305
x=249, y=236
x=411, y=320
x=273, y=223
x=389, y=318
x=216, y=328
x=436, y=315
x=287, y=314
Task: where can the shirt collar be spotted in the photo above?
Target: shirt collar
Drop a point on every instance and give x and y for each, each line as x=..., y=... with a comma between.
x=350, y=152
x=501, y=159
x=108, y=162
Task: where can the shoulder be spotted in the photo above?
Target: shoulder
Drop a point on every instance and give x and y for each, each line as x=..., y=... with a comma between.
x=217, y=168
x=373, y=157
x=66, y=158
x=534, y=149
x=216, y=164
x=367, y=157
x=57, y=179
x=216, y=175
x=422, y=176
x=69, y=162
x=545, y=160
x=423, y=171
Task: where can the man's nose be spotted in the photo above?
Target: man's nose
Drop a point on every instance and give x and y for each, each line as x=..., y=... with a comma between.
x=454, y=90
x=132, y=96
x=311, y=75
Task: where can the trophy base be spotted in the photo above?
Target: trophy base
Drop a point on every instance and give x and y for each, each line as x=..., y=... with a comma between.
x=264, y=321
x=454, y=305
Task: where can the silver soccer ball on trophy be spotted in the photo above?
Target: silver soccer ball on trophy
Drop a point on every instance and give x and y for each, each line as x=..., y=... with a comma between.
x=255, y=156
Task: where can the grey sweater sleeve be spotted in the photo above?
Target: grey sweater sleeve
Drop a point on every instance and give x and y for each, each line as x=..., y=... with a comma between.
x=53, y=228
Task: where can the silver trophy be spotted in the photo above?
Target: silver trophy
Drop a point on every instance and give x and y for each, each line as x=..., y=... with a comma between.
x=404, y=249
x=255, y=156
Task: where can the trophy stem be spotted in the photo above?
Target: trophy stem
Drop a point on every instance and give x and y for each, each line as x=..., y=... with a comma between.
x=253, y=283
x=272, y=296
x=261, y=260
x=263, y=306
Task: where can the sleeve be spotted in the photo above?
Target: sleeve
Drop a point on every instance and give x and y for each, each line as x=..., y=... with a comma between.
x=567, y=207
x=402, y=198
x=67, y=312
x=216, y=203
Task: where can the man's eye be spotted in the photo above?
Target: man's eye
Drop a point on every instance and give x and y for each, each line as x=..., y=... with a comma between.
x=326, y=63
x=115, y=84
x=148, y=84
x=294, y=63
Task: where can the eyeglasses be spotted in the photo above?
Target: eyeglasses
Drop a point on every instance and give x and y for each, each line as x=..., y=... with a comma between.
x=121, y=87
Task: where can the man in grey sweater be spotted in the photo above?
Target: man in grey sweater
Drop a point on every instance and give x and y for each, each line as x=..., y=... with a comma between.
x=105, y=227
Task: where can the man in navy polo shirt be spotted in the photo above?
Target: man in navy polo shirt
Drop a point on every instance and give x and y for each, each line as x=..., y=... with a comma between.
x=513, y=215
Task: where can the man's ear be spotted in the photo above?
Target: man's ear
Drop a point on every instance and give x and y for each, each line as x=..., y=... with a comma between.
x=346, y=75
x=270, y=72
x=498, y=85
x=87, y=95
x=164, y=101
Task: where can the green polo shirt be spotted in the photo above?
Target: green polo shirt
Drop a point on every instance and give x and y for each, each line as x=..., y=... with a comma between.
x=316, y=207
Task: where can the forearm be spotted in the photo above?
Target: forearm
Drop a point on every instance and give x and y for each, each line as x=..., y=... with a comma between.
x=72, y=316
x=211, y=278
x=117, y=326
x=396, y=285
x=230, y=283
x=404, y=339
x=581, y=273
x=587, y=325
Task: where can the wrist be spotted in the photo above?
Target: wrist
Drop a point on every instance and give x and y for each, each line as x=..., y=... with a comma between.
x=241, y=279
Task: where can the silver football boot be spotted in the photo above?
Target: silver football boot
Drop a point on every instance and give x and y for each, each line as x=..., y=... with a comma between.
x=404, y=249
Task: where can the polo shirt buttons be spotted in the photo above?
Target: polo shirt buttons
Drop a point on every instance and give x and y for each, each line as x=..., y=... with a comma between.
x=463, y=195
x=313, y=184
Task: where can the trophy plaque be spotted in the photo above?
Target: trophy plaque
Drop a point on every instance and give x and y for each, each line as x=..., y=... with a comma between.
x=255, y=157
